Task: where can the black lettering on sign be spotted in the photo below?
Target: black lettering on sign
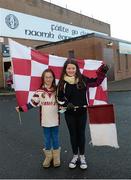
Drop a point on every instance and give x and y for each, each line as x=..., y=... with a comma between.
x=59, y=28
x=39, y=33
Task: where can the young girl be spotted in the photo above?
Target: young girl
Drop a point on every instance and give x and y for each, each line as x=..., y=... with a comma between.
x=45, y=97
x=73, y=88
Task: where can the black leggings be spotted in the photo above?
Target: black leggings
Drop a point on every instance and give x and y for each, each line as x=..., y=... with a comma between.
x=76, y=123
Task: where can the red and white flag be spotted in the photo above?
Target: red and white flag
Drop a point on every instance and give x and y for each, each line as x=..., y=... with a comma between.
x=28, y=65
x=102, y=125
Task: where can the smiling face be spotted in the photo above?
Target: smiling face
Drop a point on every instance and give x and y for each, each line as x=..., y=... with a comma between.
x=71, y=70
x=48, y=79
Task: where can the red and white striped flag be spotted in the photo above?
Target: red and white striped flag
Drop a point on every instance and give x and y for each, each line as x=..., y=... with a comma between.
x=28, y=65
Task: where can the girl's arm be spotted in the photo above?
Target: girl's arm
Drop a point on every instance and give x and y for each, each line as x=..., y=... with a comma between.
x=35, y=101
x=61, y=99
x=24, y=108
x=101, y=73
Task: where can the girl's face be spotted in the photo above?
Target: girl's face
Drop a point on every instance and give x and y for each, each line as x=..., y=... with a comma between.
x=71, y=70
x=48, y=79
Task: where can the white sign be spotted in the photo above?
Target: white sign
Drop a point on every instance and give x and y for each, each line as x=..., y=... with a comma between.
x=20, y=25
x=124, y=48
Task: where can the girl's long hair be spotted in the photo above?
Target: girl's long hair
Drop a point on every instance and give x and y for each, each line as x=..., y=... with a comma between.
x=53, y=82
x=78, y=74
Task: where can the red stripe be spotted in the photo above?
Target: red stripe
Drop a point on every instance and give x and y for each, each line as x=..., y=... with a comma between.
x=81, y=63
x=90, y=73
x=25, y=109
x=21, y=66
x=56, y=70
x=35, y=83
x=101, y=114
x=39, y=57
x=22, y=97
x=101, y=94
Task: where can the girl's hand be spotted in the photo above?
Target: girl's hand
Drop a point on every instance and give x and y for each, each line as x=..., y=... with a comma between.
x=17, y=109
x=105, y=68
x=70, y=106
x=61, y=107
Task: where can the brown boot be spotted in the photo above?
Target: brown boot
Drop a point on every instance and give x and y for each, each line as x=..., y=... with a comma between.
x=56, y=157
x=48, y=158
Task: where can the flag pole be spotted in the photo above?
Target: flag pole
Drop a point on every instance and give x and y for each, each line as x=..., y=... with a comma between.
x=19, y=118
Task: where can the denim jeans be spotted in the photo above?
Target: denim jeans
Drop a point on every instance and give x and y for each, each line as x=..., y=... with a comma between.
x=51, y=137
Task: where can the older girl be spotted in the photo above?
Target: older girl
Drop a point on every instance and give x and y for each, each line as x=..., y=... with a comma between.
x=73, y=89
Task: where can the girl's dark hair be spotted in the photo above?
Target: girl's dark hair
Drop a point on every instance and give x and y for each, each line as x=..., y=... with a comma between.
x=43, y=76
x=78, y=74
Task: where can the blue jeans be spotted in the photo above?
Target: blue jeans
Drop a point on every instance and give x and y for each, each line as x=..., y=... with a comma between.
x=51, y=136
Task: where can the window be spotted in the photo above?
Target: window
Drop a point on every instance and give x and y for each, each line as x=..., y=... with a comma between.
x=71, y=54
x=118, y=60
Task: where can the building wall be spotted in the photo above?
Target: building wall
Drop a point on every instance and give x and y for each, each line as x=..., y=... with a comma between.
x=89, y=48
x=122, y=65
x=95, y=48
x=86, y=48
x=47, y=10
x=82, y=48
x=50, y=11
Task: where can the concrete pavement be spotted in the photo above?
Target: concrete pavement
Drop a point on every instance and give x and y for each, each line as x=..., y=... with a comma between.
x=122, y=85
x=21, y=144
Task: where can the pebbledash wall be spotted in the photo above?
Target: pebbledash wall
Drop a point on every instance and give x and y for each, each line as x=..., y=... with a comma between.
x=37, y=23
